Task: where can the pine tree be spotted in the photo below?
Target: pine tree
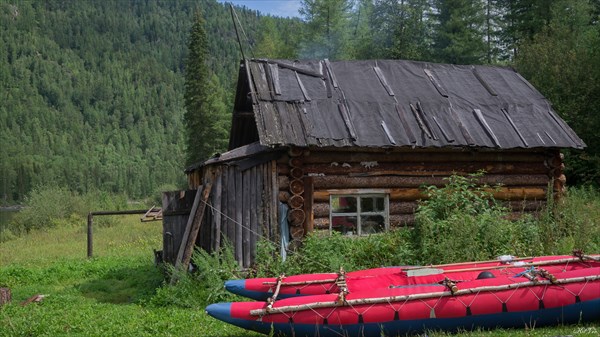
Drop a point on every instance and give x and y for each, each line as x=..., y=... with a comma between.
x=271, y=43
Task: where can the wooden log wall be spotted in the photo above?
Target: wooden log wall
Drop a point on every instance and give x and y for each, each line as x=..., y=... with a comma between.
x=524, y=176
x=242, y=208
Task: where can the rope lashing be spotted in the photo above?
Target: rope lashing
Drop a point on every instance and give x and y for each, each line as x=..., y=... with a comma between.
x=579, y=254
x=341, y=298
x=532, y=275
x=450, y=284
x=547, y=275
x=271, y=300
x=340, y=281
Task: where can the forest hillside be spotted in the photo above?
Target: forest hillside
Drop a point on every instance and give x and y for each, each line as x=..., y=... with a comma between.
x=92, y=92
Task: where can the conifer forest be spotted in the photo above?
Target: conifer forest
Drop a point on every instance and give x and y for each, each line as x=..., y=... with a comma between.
x=99, y=94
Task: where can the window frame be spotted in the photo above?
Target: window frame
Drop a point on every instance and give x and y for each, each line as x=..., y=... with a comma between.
x=358, y=214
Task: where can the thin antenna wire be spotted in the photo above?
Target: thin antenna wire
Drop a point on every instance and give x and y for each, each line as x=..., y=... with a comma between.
x=235, y=18
x=260, y=235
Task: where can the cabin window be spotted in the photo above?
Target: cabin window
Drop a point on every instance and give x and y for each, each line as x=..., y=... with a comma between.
x=358, y=214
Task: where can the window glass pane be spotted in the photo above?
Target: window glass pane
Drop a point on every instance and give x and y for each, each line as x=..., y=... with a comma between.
x=344, y=224
x=343, y=204
x=379, y=204
x=372, y=224
x=366, y=204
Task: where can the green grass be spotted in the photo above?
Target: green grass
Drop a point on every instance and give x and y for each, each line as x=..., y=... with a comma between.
x=109, y=295
x=120, y=293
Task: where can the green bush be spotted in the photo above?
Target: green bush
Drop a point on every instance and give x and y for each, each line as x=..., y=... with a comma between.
x=52, y=206
x=463, y=222
x=322, y=252
x=45, y=207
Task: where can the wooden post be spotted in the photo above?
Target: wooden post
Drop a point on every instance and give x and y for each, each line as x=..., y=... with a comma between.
x=238, y=211
x=90, y=222
x=217, y=203
x=246, y=231
x=90, y=239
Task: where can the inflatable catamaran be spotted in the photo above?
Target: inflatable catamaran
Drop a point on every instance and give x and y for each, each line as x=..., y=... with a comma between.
x=398, y=300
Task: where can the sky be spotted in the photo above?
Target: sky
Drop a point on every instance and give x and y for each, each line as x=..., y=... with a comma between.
x=283, y=8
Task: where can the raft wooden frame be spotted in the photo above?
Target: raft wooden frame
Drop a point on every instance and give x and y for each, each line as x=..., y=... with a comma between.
x=525, y=265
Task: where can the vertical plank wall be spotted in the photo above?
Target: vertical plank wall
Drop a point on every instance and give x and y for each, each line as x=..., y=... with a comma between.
x=176, y=211
x=240, y=209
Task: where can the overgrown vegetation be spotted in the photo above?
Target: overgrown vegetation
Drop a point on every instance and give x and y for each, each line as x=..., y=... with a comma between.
x=463, y=221
x=458, y=222
x=326, y=253
x=51, y=207
x=205, y=284
x=575, y=222
x=119, y=292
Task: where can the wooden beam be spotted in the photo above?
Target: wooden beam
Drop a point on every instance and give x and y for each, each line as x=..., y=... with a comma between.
x=341, y=181
x=196, y=216
x=411, y=194
x=340, y=157
x=188, y=228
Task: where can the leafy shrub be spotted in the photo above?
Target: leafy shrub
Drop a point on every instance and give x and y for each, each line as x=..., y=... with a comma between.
x=44, y=207
x=52, y=206
x=268, y=261
x=322, y=252
x=463, y=222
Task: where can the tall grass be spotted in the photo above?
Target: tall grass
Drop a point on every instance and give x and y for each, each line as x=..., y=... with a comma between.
x=573, y=222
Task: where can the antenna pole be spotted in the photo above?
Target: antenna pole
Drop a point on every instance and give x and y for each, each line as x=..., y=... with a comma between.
x=236, y=31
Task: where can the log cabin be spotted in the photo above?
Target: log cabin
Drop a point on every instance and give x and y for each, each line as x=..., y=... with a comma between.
x=348, y=146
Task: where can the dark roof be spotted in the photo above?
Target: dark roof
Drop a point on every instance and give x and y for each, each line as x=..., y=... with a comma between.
x=243, y=156
x=393, y=103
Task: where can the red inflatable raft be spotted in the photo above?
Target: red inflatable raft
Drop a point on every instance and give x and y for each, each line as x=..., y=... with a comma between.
x=567, y=292
x=326, y=283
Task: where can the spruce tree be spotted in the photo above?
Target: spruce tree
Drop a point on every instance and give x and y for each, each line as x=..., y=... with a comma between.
x=458, y=35
x=204, y=132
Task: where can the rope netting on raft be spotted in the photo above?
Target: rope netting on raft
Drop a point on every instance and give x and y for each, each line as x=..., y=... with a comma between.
x=538, y=282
